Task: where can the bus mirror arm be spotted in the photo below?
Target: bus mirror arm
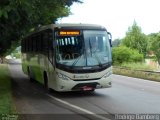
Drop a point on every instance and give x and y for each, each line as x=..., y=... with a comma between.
x=110, y=38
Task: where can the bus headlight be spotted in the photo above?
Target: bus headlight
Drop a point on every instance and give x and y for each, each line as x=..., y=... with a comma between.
x=107, y=74
x=63, y=77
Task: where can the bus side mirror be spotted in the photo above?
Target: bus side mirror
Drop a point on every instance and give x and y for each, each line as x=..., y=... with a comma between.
x=110, y=38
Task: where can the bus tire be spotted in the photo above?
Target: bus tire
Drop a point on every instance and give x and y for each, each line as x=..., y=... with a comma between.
x=30, y=75
x=45, y=78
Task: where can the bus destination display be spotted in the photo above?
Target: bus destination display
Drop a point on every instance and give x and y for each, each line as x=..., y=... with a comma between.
x=69, y=33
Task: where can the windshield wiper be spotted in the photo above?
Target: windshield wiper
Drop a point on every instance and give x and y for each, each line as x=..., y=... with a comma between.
x=75, y=62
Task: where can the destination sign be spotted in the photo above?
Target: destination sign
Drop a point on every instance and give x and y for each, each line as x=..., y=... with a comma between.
x=69, y=33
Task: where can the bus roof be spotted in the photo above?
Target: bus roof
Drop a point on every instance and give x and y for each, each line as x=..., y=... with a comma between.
x=67, y=26
x=72, y=26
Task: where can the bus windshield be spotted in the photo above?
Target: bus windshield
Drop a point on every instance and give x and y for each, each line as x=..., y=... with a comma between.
x=86, y=49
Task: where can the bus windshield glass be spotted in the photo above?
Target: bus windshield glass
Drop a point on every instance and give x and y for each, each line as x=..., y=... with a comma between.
x=85, y=48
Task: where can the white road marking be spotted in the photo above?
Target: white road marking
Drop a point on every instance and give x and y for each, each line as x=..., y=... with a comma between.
x=78, y=108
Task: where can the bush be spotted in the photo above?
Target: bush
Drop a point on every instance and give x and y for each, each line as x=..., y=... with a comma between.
x=123, y=54
x=137, y=66
x=136, y=56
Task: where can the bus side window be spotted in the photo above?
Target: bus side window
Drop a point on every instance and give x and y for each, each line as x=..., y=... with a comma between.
x=34, y=43
x=25, y=45
x=50, y=46
x=38, y=41
x=29, y=44
x=45, y=42
x=41, y=43
x=50, y=38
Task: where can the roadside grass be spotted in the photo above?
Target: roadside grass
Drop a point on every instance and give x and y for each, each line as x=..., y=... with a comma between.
x=138, y=66
x=6, y=103
x=137, y=70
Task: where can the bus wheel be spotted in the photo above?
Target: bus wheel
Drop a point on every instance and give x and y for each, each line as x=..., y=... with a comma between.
x=45, y=81
x=30, y=75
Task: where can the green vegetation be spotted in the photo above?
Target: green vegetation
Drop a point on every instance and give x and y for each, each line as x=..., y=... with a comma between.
x=123, y=54
x=6, y=103
x=134, y=45
x=154, y=76
x=135, y=39
x=19, y=17
x=156, y=47
x=148, y=45
x=129, y=54
x=137, y=66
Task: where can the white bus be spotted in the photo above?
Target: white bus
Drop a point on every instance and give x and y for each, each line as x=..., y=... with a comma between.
x=68, y=57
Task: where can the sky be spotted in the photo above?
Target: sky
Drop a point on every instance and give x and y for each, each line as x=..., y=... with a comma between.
x=117, y=15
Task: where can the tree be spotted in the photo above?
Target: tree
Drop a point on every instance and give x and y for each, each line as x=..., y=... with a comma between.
x=151, y=38
x=135, y=39
x=116, y=42
x=17, y=17
x=156, y=47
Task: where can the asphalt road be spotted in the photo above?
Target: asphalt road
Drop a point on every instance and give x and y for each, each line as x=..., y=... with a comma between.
x=127, y=96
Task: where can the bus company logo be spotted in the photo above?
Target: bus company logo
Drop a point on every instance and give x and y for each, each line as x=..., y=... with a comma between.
x=87, y=76
x=81, y=76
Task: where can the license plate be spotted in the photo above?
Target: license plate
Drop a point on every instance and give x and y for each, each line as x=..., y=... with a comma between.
x=87, y=88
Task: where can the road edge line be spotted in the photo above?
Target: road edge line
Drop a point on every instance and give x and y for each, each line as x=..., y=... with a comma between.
x=78, y=108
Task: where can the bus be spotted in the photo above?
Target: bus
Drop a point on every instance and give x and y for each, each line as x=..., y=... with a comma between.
x=62, y=57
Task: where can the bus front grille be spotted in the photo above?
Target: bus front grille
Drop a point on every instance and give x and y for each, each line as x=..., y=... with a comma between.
x=86, y=79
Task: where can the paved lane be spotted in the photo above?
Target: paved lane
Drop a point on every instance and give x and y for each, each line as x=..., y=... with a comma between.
x=34, y=103
x=128, y=95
